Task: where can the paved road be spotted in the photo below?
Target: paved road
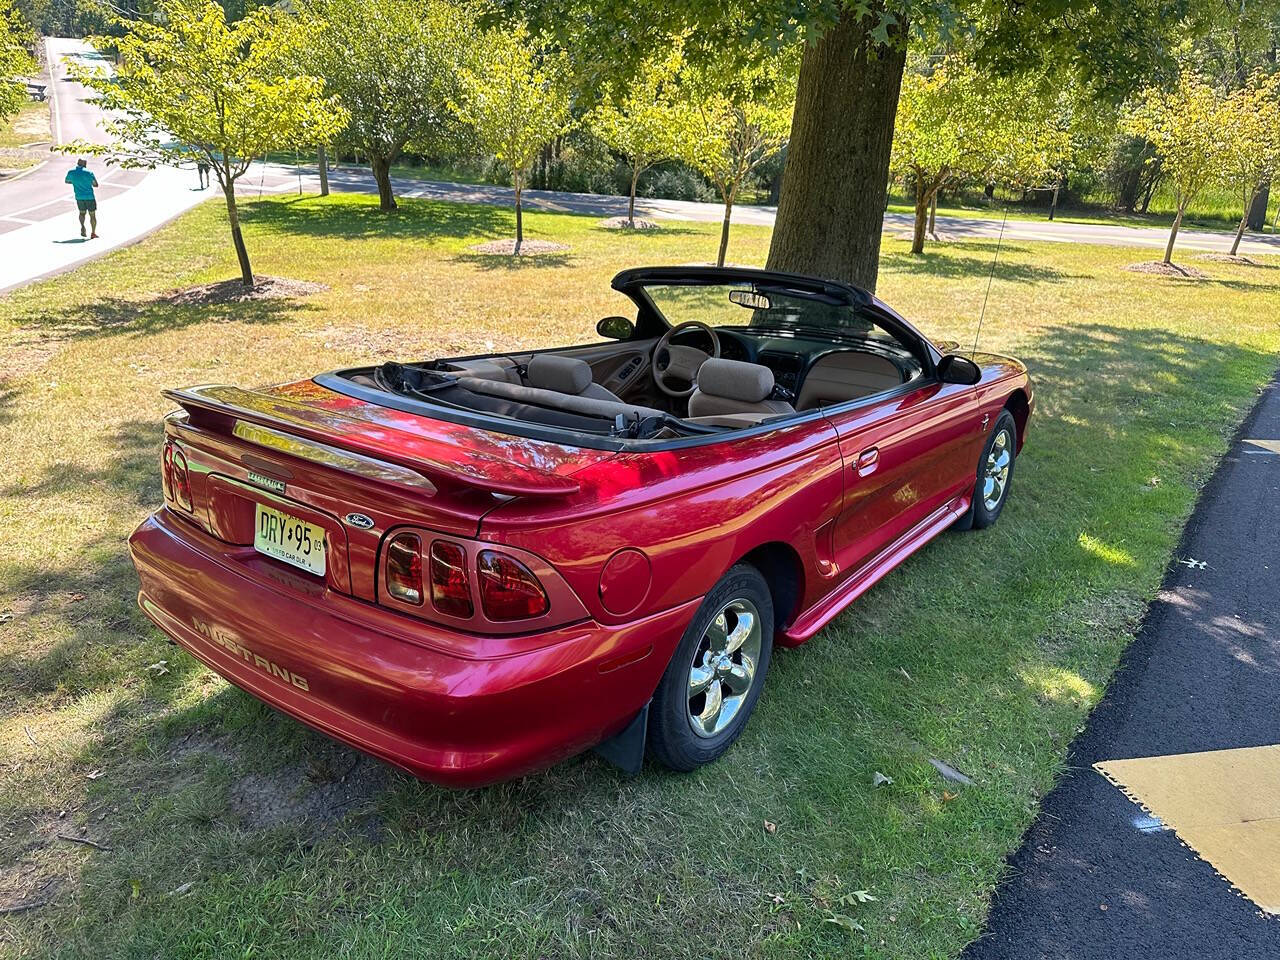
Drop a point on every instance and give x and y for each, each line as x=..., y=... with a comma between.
x=357, y=180
x=39, y=226
x=39, y=230
x=42, y=194
x=1095, y=879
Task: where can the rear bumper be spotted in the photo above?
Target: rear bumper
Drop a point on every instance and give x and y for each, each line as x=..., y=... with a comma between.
x=398, y=688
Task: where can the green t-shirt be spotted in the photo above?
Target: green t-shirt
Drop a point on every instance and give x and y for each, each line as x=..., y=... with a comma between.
x=81, y=181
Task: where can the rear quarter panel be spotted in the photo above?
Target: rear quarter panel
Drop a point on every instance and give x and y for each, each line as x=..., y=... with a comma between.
x=692, y=511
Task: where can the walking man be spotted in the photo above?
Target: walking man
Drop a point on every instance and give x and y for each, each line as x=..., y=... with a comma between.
x=202, y=171
x=82, y=183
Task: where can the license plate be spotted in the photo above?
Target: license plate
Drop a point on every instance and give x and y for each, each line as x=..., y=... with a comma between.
x=296, y=542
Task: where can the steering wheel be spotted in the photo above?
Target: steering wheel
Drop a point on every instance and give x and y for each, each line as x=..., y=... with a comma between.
x=671, y=360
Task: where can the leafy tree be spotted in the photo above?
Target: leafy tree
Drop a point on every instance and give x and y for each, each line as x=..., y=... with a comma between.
x=516, y=98
x=394, y=65
x=196, y=87
x=16, y=61
x=741, y=119
x=1250, y=124
x=647, y=121
x=830, y=211
x=1183, y=125
x=956, y=124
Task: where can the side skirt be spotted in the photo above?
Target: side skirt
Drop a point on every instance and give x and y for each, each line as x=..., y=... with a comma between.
x=826, y=609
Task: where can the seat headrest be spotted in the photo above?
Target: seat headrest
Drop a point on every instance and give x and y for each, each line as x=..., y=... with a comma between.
x=546, y=371
x=735, y=380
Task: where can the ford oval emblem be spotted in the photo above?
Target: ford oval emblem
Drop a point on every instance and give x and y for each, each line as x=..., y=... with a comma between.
x=358, y=520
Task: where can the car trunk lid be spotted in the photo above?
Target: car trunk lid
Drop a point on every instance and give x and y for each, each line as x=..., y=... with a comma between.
x=353, y=468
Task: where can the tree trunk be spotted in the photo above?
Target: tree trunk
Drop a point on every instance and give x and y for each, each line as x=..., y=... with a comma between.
x=1258, y=209
x=631, y=202
x=237, y=238
x=922, y=216
x=729, y=196
x=1173, y=234
x=933, y=215
x=519, y=216
x=830, y=211
x=1053, y=203
x=382, y=174
x=989, y=191
x=1150, y=192
x=1235, y=244
x=322, y=161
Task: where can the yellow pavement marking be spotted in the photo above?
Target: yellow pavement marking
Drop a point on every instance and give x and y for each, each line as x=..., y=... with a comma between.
x=1223, y=804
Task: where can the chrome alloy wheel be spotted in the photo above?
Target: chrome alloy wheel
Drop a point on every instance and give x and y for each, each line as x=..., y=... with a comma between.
x=995, y=474
x=724, y=667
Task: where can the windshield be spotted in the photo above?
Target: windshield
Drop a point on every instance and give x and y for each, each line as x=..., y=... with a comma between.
x=762, y=305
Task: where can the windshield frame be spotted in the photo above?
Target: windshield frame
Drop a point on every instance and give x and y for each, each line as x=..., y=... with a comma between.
x=651, y=322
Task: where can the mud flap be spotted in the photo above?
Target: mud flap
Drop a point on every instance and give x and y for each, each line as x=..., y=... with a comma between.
x=625, y=750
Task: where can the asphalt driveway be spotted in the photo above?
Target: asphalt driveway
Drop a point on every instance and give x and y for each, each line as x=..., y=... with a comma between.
x=1098, y=878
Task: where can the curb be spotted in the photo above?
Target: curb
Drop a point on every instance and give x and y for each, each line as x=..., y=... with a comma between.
x=24, y=173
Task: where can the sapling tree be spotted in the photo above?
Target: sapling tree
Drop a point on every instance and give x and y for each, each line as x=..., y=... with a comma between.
x=15, y=59
x=955, y=123
x=741, y=118
x=1185, y=131
x=516, y=99
x=1250, y=124
x=192, y=86
x=645, y=121
x=394, y=65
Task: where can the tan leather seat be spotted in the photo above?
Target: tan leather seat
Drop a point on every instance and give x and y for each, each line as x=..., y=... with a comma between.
x=846, y=375
x=734, y=388
x=568, y=375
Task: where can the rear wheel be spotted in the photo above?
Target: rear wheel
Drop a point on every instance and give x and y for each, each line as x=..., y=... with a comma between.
x=995, y=474
x=714, y=678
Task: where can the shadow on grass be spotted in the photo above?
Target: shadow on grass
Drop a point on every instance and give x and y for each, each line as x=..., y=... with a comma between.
x=947, y=264
x=115, y=316
x=512, y=264
x=417, y=219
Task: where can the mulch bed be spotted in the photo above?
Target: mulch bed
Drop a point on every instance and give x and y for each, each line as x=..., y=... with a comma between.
x=1228, y=258
x=529, y=248
x=234, y=291
x=1162, y=269
x=622, y=223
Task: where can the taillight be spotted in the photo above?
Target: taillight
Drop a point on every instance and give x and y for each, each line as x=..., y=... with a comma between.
x=177, y=482
x=450, y=589
x=166, y=470
x=508, y=589
x=404, y=568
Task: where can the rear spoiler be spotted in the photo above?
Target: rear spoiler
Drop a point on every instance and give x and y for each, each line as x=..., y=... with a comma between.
x=329, y=430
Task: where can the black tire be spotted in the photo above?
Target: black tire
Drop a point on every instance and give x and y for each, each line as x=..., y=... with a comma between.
x=979, y=516
x=673, y=741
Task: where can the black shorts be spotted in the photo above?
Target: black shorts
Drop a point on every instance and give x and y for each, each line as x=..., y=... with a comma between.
x=83, y=205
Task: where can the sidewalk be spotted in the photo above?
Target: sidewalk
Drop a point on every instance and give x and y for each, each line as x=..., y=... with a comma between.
x=1096, y=876
x=44, y=239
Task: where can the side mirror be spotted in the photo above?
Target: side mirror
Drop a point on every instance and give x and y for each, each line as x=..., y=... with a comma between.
x=615, y=328
x=954, y=368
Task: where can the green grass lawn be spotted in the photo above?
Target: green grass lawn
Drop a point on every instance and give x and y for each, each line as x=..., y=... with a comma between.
x=29, y=125
x=234, y=831
x=1213, y=218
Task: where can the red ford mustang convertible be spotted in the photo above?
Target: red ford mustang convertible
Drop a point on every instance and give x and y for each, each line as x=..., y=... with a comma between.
x=476, y=567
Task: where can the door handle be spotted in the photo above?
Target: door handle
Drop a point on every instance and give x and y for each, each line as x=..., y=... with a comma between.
x=868, y=460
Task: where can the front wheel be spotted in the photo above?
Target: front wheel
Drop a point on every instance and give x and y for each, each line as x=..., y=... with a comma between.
x=714, y=678
x=995, y=474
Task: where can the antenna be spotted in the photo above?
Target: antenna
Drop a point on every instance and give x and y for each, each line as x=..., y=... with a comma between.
x=990, y=276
